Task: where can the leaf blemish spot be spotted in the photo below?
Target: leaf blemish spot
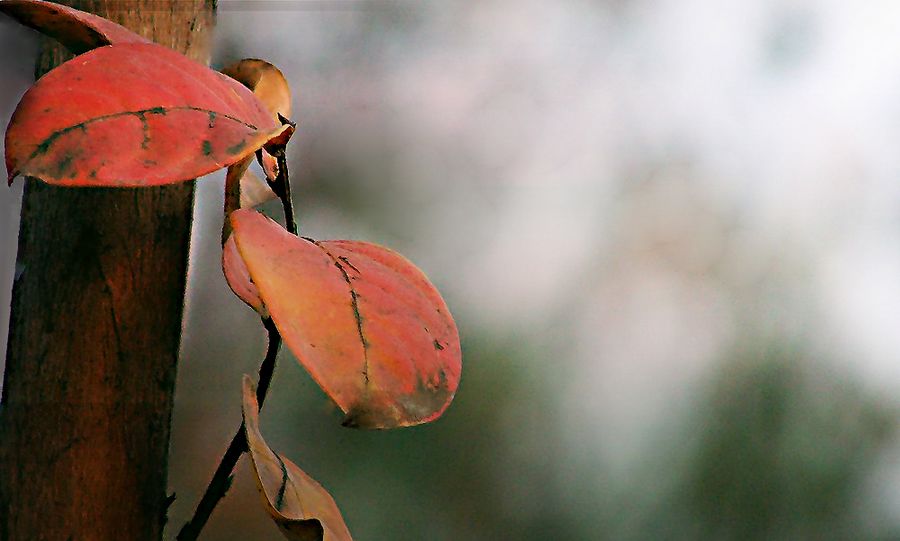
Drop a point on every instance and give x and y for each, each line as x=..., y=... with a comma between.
x=236, y=148
x=64, y=165
x=145, y=127
x=207, y=147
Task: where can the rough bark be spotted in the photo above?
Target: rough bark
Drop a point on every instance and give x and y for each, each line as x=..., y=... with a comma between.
x=94, y=335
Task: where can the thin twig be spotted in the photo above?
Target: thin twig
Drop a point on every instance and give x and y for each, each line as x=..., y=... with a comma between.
x=267, y=368
x=285, y=195
x=221, y=480
x=281, y=185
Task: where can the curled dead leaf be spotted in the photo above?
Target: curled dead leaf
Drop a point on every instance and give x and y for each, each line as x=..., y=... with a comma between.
x=268, y=84
x=300, y=506
x=266, y=81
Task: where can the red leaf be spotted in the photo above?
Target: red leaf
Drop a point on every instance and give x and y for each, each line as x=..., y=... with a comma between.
x=238, y=277
x=135, y=114
x=300, y=506
x=365, y=322
x=78, y=31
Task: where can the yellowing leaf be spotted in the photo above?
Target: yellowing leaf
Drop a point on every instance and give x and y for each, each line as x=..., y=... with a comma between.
x=302, y=509
x=270, y=86
x=266, y=81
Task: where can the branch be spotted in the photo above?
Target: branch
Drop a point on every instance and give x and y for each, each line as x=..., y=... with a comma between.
x=221, y=480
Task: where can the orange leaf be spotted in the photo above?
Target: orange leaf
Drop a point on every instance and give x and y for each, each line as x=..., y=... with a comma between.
x=78, y=31
x=301, y=508
x=238, y=277
x=134, y=114
x=236, y=274
x=365, y=322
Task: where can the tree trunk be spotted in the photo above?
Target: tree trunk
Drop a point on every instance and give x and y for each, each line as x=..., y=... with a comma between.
x=94, y=335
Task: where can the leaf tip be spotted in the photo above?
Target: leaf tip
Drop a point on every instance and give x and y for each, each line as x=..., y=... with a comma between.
x=364, y=418
x=280, y=138
x=302, y=530
x=286, y=121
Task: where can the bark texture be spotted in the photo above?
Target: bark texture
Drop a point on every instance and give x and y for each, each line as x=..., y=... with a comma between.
x=94, y=335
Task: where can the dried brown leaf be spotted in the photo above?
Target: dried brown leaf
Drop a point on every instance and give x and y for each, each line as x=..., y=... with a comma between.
x=302, y=509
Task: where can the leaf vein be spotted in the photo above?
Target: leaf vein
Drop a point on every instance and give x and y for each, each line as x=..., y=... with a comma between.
x=45, y=145
x=354, y=303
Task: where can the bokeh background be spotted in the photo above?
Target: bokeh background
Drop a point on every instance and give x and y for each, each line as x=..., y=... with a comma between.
x=669, y=232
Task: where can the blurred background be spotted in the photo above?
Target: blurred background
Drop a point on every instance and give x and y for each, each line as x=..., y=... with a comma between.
x=669, y=232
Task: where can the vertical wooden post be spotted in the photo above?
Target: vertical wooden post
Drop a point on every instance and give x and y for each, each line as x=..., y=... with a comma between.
x=94, y=335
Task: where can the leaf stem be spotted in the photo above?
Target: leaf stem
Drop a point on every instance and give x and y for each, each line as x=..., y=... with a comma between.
x=282, y=188
x=285, y=195
x=221, y=480
x=282, y=185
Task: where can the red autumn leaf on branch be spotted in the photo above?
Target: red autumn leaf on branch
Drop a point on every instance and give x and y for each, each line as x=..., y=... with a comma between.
x=238, y=277
x=365, y=322
x=76, y=30
x=134, y=114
